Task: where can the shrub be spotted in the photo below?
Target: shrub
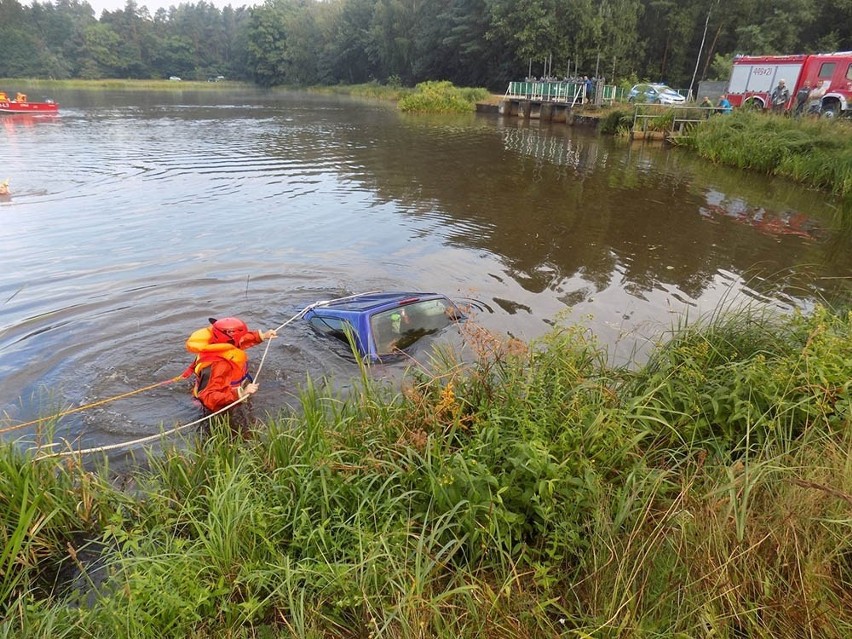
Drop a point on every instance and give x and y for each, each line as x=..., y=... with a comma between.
x=441, y=97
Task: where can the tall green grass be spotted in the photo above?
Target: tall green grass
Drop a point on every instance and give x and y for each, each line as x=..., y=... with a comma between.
x=537, y=492
x=125, y=84
x=374, y=90
x=817, y=153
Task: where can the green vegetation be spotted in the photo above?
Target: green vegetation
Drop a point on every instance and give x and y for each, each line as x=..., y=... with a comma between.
x=536, y=493
x=441, y=97
x=372, y=90
x=817, y=153
x=127, y=85
x=616, y=122
x=426, y=97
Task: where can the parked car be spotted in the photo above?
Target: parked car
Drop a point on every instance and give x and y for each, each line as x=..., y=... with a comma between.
x=654, y=94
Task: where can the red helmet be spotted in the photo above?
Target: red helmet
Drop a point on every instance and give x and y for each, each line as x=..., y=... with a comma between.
x=228, y=329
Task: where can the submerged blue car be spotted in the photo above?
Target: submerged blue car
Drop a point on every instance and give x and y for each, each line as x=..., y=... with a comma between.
x=383, y=324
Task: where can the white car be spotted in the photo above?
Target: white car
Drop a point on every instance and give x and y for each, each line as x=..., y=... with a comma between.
x=650, y=93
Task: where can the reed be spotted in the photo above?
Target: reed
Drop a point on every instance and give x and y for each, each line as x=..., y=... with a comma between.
x=616, y=122
x=817, y=153
x=373, y=90
x=46, y=514
x=126, y=85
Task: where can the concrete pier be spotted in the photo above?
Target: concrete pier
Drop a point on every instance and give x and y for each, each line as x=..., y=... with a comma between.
x=543, y=110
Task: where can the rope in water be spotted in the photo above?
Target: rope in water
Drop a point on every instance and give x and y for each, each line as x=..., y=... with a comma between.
x=177, y=429
x=78, y=409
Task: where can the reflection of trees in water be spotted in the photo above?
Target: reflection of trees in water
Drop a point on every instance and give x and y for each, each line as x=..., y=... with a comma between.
x=558, y=203
x=552, y=150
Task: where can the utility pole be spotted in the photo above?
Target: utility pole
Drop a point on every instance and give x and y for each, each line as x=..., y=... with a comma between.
x=700, y=49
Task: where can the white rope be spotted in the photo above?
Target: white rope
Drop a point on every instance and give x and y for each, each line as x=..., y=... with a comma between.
x=150, y=438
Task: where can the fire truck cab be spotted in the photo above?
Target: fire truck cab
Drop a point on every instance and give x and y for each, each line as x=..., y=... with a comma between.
x=819, y=83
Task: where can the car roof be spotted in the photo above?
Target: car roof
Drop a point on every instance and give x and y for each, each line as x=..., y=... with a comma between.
x=358, y=310
x=368, y=302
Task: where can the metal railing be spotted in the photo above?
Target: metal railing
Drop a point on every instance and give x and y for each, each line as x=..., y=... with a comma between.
x=566, y=92
x=678, y=119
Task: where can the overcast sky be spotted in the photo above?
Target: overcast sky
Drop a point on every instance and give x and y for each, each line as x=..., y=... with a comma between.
x=153, y=5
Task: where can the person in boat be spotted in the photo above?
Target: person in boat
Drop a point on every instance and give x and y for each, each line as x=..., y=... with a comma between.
x=221, y=365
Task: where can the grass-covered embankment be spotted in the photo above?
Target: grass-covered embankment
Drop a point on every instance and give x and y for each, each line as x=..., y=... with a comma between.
x=426, y=97
x=813, y=152
x=10, y=85
x=539, y=493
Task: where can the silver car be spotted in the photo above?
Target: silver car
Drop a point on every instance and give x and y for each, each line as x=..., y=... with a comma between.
x=651, y=93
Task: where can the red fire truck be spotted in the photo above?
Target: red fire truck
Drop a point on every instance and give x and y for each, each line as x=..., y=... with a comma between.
x=819, y=83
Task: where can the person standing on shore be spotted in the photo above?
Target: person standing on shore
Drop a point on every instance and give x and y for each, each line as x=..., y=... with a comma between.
x=780, y=96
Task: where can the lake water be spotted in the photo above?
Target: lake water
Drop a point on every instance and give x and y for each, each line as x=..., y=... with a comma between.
x=136, y=216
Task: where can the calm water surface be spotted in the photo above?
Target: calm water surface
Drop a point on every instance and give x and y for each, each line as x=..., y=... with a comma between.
x=135, y=216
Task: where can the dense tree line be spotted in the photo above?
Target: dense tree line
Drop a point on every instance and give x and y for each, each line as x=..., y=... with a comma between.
x=470, y=42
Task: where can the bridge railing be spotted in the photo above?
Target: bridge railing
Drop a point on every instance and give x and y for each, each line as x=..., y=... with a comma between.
x=557, y=91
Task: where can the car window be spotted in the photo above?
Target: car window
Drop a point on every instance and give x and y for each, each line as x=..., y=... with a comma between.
x=399, y=328
x=827, y=70
x=332, y=327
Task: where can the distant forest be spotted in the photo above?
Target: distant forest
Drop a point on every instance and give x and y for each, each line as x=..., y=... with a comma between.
x=483, y=43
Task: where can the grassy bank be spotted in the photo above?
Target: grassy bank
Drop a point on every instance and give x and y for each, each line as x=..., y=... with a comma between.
x=13, y=84
x=537, y=494
x=816, y=153
x=373, y=90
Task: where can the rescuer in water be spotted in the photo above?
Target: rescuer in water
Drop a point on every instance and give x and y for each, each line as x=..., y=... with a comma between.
x=221, y=364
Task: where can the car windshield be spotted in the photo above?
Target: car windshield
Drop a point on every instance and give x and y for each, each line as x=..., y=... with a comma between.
x=398, y=328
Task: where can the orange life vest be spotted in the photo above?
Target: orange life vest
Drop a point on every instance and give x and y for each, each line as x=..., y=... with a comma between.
x=207, y=353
